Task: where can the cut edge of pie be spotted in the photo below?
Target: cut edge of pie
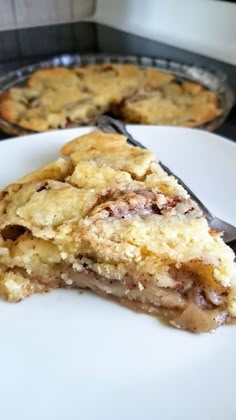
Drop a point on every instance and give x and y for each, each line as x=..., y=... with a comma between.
x=106, y=217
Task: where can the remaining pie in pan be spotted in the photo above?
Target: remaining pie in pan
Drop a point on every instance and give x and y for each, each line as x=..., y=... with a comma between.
x=62, y=97
x=109, y=219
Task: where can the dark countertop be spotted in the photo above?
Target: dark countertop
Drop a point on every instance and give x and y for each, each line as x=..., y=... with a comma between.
x=24, y=46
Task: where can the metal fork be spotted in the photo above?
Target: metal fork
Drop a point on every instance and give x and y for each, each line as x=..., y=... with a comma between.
x=109, y=124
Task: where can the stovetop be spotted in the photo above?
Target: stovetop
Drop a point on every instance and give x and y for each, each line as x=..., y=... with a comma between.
x=24, y=46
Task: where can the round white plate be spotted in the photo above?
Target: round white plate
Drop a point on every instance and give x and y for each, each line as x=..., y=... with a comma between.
x=71, y=356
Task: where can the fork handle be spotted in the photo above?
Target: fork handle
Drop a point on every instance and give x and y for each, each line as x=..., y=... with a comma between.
x=232, y=245
x=111, y=125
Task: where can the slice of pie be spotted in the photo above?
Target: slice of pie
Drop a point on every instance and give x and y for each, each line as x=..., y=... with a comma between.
x=109, y=219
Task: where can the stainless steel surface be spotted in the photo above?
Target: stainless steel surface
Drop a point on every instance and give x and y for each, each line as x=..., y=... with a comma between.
x=109, y=124
x=214, y=80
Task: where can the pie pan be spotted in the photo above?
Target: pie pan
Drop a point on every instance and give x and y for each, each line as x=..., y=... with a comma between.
x=214, y=80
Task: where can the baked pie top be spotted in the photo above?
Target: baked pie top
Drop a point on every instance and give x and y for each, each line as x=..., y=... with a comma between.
x=108, y=218
x=61, y=97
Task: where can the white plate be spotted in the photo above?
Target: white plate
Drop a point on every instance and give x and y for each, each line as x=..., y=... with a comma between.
x=66, y=356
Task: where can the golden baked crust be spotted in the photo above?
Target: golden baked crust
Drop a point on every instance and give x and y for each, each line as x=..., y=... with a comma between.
x=108, y=218
x=61, y=97
x=188, y=104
